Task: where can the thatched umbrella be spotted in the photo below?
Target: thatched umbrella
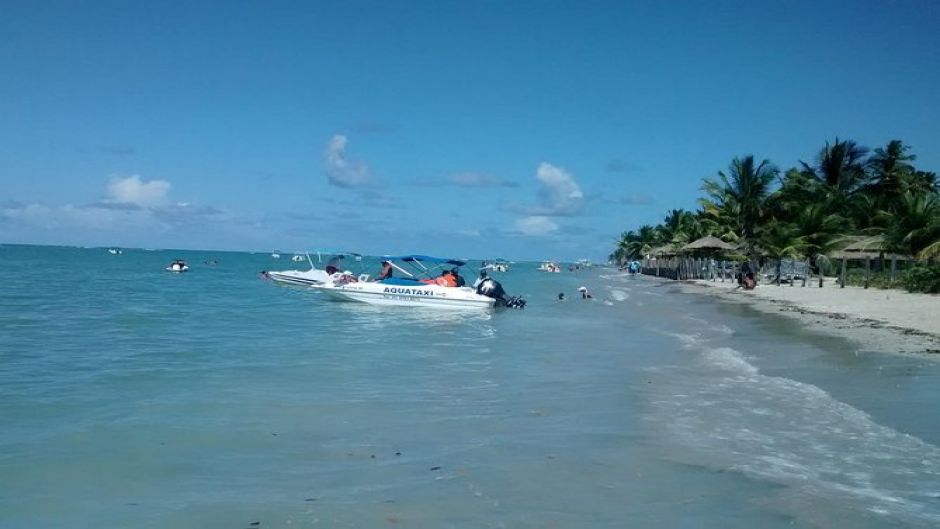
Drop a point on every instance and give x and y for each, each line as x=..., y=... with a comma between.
x=708, y=243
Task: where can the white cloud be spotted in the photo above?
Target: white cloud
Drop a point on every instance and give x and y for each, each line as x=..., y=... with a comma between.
x=536, y=226
x=342, y=171
x=133, y=190
x=559, y=193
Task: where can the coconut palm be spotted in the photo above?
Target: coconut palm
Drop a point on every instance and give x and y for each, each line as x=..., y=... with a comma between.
x=914, y=227
x=739, y=197
x=840, y=168
x=817, y=227
x=890, y=169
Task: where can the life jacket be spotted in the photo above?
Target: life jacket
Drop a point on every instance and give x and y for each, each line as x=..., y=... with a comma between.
x=446, y=280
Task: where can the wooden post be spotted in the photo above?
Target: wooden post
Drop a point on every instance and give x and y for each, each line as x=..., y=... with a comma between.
x=894, y=263
x=657, y=267
x=778, y=273
x=806, y=271
x=867, y=271
x=843, y=273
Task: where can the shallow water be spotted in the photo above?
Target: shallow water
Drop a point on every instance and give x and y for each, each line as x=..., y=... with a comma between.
x=131, y=397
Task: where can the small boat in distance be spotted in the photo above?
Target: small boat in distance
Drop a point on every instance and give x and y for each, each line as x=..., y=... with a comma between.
x=421, y=286
x=297, y=258
x=275, y=255
x=313, y=276
x=178, y=266
x=550, y=266
x=115, y=251
x=499, y=265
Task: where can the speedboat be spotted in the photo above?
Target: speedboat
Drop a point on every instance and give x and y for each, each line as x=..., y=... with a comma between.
x=114, y=251
x=297, y=258
x=313, y=276
x=420, y=286
x=550, y=266
x=178, y=266
x=275, y=255
x=498, y=265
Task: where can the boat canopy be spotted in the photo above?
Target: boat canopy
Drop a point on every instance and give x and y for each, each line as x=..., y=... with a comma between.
x=426, y=259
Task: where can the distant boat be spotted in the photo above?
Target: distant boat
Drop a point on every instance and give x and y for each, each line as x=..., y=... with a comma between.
x=115, y=251
x=298, y=258
x=550, y=266
x=178, y=266
x=275, y=255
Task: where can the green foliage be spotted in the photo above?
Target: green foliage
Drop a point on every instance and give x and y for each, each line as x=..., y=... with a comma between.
x=922, y=278
x=812, y=210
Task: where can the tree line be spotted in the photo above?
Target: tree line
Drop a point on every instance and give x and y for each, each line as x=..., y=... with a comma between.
x=809, y=210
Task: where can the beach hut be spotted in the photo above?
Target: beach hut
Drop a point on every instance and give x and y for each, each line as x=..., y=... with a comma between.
x=708, y=244
x=867, y=249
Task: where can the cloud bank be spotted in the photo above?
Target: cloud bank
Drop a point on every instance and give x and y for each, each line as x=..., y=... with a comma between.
x=536, y=226
x=132, y=190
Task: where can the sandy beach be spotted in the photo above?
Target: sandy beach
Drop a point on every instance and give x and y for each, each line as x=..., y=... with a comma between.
x=886, y=320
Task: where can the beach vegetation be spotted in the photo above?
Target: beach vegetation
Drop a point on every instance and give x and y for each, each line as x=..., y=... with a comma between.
x=922, y=278
x=847, y=192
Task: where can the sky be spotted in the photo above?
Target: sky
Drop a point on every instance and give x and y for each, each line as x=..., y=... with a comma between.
x=481, y=129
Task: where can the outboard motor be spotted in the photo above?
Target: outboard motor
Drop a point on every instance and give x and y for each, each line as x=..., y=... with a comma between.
x=491, y=288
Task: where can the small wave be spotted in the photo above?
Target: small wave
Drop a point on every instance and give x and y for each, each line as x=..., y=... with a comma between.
x=729, y=359
x=618, y=295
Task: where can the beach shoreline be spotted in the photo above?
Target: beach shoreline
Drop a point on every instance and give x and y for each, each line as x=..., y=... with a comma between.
x=874, y=319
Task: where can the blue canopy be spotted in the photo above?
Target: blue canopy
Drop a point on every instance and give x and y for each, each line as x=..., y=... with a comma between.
x=426, y=259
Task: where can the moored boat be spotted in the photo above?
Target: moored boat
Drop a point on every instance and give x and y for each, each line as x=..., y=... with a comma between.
x=420, y=286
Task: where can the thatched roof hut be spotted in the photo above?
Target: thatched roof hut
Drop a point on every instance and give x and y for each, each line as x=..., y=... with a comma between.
x=866, y=247
x=708, y=243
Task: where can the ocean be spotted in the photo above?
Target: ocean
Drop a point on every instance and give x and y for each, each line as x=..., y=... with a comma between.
x=133, y=397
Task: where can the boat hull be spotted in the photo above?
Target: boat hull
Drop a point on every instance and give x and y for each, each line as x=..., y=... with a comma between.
x=432, y=296
x=302, y=278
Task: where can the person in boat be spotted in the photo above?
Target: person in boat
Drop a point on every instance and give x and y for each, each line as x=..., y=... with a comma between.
x=330, y=269
x=457, y=279
x=386, y=271
x=482, y=278
x=446, y=279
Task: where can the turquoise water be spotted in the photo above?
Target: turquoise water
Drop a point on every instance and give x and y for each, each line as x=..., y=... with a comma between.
x=131, y=397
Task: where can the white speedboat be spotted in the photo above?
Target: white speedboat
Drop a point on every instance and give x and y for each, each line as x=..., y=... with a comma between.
x=420, y=287
x=115, y=251
x=178, y=266
x=275, y=255
x=313, y=276
x=550, y=266
x=297, y=258
x=496, y=266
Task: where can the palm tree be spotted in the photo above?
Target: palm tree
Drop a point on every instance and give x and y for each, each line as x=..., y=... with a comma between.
x=679, y=226
x=914, y=228
x=840, y=168
x=890, y=169
x=739, y=197
x=817, y=228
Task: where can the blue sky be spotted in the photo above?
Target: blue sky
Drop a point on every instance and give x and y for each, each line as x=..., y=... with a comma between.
x=522, y=130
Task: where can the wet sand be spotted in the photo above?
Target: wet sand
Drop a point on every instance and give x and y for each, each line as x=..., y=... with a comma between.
x=876, y=319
